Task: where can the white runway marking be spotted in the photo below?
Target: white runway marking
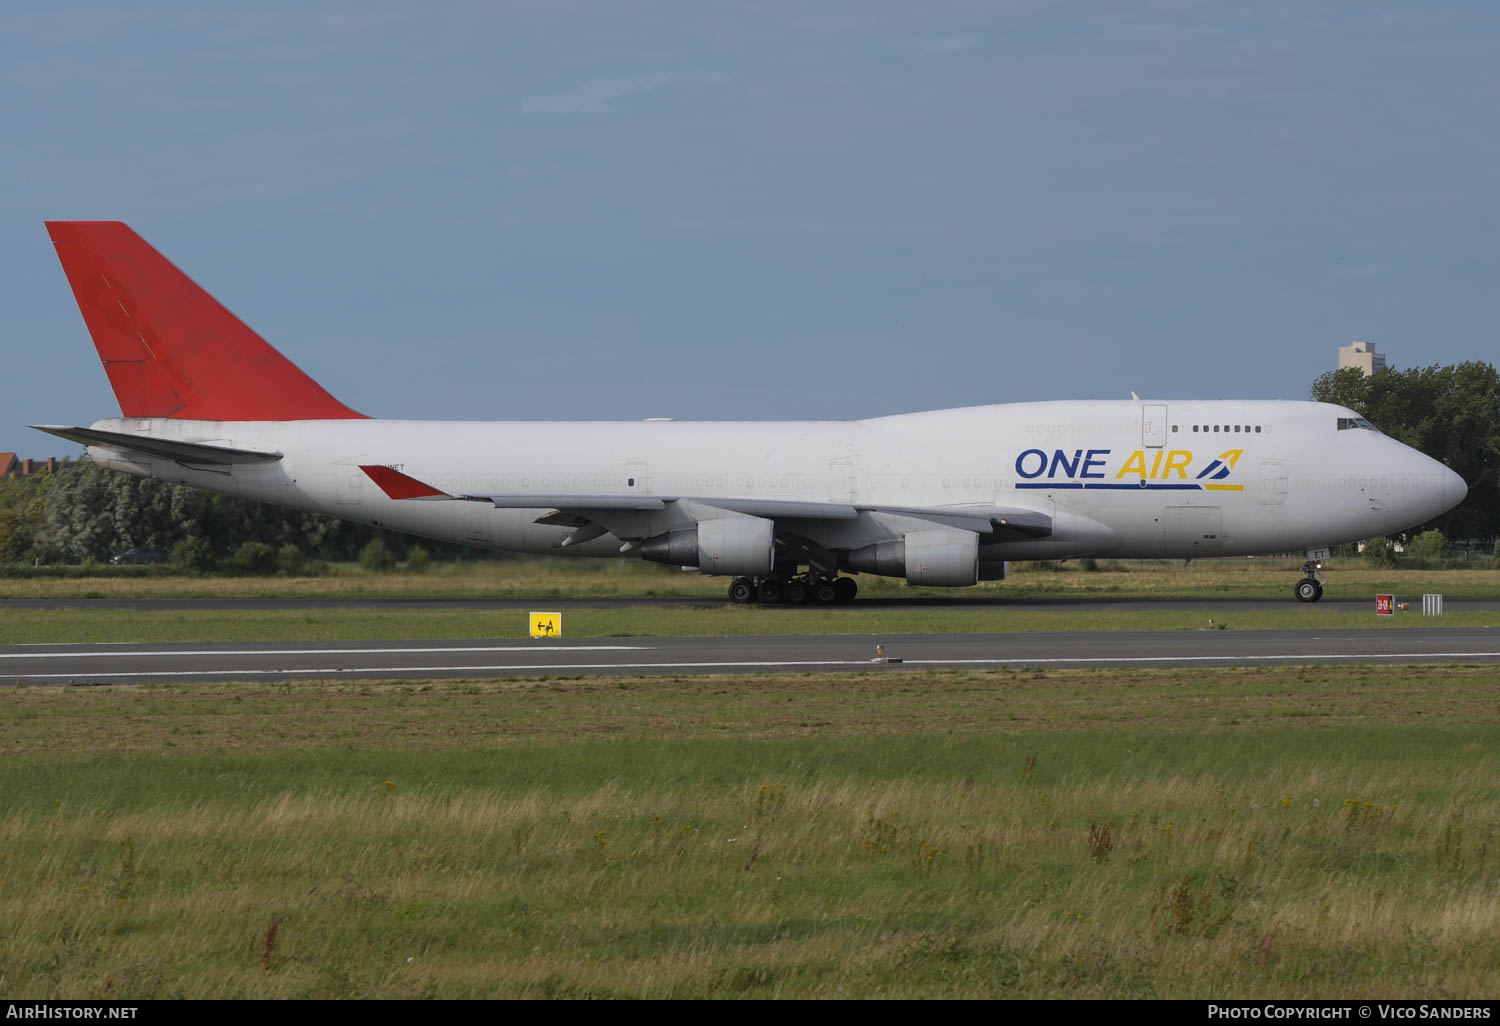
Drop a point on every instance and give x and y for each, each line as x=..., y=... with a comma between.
x=347, y=670
x=740, y=664
x=127, y=654
x=1209, y=658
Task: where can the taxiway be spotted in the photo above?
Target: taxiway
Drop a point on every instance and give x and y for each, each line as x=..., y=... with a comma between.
x=148, y=663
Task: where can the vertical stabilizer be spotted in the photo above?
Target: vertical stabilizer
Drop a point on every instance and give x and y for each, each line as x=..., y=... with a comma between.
x=169, y=348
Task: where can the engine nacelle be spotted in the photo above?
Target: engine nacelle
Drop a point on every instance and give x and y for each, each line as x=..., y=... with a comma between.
x=943, y=557
x=742, y=546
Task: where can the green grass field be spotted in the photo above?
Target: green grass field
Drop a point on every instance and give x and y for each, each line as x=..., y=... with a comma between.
x=583, y=578
x=45, y=626
x=704, y=611
x=1269, y=832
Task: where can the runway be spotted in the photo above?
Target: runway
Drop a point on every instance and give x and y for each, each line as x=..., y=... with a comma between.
x=156, y=664
x=1227, y=603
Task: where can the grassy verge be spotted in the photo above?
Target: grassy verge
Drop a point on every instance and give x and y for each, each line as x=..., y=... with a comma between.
x=1270, y=833
x=569, y=578
x=78, y=626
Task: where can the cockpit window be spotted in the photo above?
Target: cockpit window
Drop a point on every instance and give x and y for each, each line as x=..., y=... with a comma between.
x=1356, y=424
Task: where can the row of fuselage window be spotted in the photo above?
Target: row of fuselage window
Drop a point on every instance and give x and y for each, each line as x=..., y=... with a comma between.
x=1225, y=428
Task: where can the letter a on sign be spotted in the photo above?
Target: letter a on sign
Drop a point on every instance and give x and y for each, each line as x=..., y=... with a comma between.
x=1385, y=605
x=546, y=625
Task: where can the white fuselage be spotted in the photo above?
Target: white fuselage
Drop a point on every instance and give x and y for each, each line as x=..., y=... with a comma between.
x=1119, y=478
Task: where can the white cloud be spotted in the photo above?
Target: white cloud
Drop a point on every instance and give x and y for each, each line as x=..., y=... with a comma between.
x=598, y=95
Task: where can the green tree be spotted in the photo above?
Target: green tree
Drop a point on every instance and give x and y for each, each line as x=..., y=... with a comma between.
x=84, y=512
x=1379, y=552
x=377, y=557
x=1427, y=548
x=23, y=503
x=255, y=557
x=81, y=516
x=192, y=555
x=417, y=560
x=1451, y=413
x=289, y=560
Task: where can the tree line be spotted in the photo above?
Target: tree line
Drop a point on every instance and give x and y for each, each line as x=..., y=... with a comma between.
x=84, y=513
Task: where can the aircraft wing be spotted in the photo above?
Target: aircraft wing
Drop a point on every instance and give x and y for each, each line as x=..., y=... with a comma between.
x=619, y=513
x=191, y=453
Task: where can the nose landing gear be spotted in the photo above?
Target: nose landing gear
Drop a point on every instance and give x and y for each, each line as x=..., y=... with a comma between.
x=1310, y=588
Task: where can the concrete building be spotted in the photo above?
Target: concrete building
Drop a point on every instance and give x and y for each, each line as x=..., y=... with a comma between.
x=1363, y=356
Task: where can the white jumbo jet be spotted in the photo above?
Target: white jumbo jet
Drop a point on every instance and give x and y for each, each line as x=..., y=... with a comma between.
x=943, y=498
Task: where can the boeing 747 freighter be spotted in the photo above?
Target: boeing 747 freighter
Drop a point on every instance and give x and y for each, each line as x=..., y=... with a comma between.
x=787, y=509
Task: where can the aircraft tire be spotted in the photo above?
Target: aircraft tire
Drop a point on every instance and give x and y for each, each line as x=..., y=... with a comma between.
x=772, y=591
x=825, y=593
x=742, y=591
x=1308, y=590
x=796, y=592
x=846, y=589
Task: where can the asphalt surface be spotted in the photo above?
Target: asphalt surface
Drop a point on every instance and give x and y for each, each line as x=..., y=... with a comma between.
x=124, y=664
x=1230, y=604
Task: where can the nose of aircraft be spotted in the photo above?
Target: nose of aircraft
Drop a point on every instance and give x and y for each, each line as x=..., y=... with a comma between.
x=1454, y=489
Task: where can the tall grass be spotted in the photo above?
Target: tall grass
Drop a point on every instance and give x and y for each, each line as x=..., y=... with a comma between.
x=1272, y=833
x=978, y=885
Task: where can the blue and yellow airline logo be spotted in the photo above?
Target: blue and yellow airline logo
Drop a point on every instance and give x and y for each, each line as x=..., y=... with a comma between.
x=1160, y=470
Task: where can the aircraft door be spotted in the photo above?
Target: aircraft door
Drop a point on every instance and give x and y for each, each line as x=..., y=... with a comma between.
x=842, y=484
x=1153, y=426
x=351, y=484
x=638, y=477
x=1272, y=483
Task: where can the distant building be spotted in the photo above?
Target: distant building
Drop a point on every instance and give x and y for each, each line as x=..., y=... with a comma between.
x=1363, y=356
x=10, y=466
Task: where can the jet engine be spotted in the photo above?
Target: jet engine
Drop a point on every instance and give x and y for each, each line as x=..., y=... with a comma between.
x=943, y=557
x=742, y=546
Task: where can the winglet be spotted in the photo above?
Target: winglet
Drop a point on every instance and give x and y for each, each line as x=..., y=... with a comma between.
x=400, y=486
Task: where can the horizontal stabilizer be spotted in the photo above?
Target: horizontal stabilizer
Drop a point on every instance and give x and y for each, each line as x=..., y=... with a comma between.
x=192, y=453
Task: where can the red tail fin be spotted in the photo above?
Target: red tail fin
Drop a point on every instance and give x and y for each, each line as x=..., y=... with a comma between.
x=169, y=348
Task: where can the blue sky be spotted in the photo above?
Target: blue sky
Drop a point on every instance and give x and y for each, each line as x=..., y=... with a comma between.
x=759, y=210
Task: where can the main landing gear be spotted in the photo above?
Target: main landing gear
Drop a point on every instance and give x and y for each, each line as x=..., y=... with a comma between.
x=812, y=588
x=1310, y=588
